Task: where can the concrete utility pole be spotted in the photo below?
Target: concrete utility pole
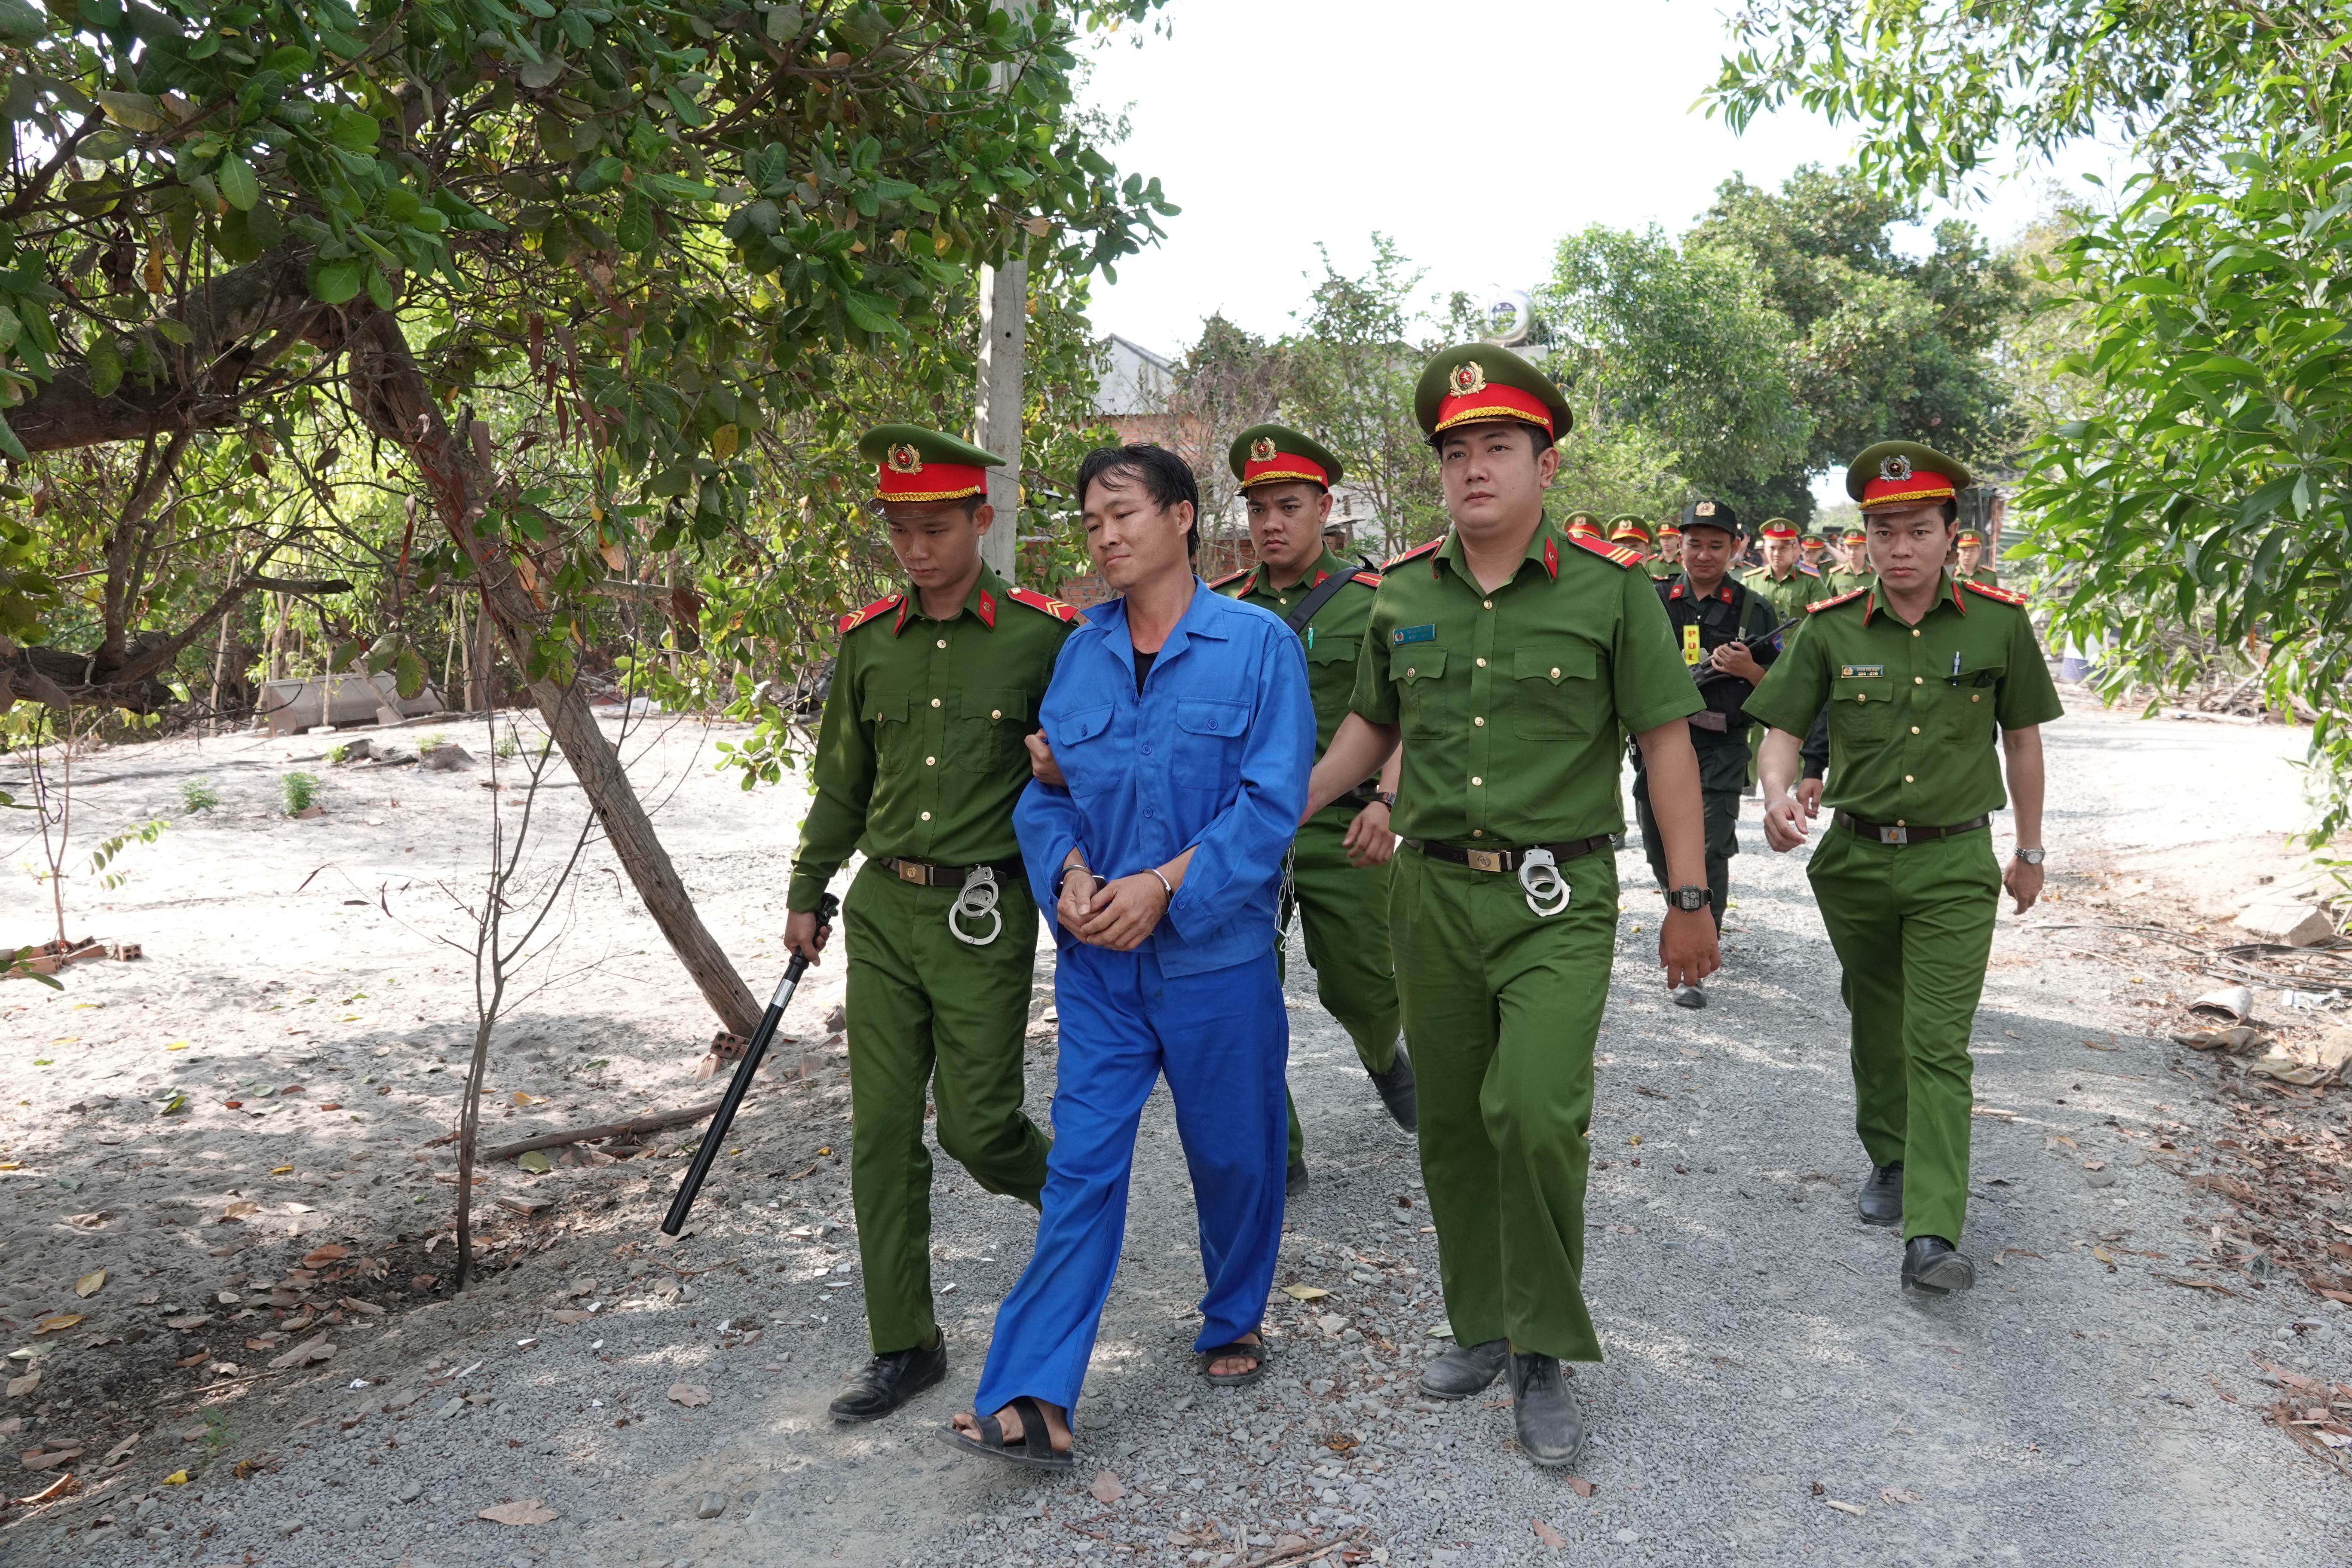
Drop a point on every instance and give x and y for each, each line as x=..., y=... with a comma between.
x=1004, y=347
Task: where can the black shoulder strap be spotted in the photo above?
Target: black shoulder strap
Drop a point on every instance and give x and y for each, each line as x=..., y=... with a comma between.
x=1297, y=620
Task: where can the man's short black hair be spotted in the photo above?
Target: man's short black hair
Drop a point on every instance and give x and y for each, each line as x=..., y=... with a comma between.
x=1166, y=478
x=1539, y=437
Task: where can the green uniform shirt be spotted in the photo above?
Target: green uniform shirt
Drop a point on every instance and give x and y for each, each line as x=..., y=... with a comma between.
x=919, y=754
x=1515, y=704
x=1913, y=709
x=1788, y=596
x=1985, y=575
x=1845, y=582
x=1660, y=570
x=1333, y=638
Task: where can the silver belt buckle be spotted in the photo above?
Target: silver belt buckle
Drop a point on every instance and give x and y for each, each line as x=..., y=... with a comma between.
x=1485, y=859
x=1894, y=834
x=916, y=872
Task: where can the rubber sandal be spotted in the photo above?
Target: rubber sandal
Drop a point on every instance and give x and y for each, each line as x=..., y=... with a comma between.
x=990, y=1443
x=1258, y=1354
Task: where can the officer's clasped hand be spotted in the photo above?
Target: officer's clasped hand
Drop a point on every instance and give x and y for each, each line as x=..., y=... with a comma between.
x=1042, y=766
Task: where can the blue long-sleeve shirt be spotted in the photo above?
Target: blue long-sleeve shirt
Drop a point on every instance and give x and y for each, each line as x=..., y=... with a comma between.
x=1211, y=755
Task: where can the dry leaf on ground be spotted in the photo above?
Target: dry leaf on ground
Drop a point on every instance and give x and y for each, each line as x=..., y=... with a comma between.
x=1896, y=1494
x=61, y=1323
x=524, y=1510
x=91, y=1284
x=303, y=1354
x=689, y=1393
x=20, y=1386
x=1305, y=1293
x=1549, y=1536
x=319, y=1256
x=1581, y=1486
x=1105, y=1489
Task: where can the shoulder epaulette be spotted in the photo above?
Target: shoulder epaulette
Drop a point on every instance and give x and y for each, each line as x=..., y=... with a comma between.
x=1808, y=569
x=1368, y=579
x=1602, y=547
x=1046, y=603
x=1393, y=561
x=856, y=619
x=1993, y=591
x=1230, y=578
x=1818, y=605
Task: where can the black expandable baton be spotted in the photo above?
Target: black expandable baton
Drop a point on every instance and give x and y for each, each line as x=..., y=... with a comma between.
x=715, y=1133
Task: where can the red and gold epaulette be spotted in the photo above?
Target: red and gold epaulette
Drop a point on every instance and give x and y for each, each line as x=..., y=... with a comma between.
x=1602, y=547
x=1393, y=561
x=1230, y=578
x=856, y=619
x=1368, y=579
x=1046, y=603
x=1818, y=605
x=1994, y=591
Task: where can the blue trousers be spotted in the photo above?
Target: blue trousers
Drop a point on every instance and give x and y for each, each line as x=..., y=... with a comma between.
x=1222, y=1038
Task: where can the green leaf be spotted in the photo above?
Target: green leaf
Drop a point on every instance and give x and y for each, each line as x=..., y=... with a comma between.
x=21, y=25
x=355, y=132
x=602, y=174
x=137, y=111
x=635, y=230
x=379, y=288
x=11, y=445
x=239, y=186
x=105, y=364
x=172, y=331
x=337, y=282
x=409, y=671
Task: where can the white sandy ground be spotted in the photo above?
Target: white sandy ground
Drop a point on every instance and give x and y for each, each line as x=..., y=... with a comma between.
x=1761, y=1363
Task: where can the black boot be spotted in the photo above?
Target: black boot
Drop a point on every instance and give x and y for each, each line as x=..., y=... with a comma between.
x=1294, y=1180
x=1933, y=1267
x=1551, y=1430
x=889, y=1381
x=1396, y=1091
x=1465, y=1370
x=1881, y=1202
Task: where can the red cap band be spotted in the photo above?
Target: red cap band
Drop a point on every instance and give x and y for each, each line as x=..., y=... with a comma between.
x=1917, y=486
x=930, y=482
x=1492, y=401
x=1284, y=465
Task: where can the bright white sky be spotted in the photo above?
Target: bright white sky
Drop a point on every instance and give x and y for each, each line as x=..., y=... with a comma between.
x=1276, y=123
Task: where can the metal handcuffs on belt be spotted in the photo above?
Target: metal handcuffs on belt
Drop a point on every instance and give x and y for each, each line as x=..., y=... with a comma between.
x=1539, y=877
x=976, y=897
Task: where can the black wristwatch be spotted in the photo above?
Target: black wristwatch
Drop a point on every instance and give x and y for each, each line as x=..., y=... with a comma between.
x=1690, y=899
x=1386, y=797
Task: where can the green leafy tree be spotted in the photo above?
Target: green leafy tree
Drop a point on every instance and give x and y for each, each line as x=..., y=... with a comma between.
x=1677, y=346
x=1882, y=344
x=543, y=254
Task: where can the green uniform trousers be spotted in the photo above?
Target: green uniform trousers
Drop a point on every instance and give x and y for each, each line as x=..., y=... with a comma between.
x=1344, y=909
x=1912, y=924
x=930, y=1013
x=1722, y=766
x=1501, y=1010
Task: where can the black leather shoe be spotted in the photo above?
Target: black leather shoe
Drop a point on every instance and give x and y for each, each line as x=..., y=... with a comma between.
x=1294, y=1180
x=1689, y=996
x=1396, y=1092
x=1545, y=1412
x=1882, y=1196
x=889, y=1381
x=1465, y=1370
x=1933, y=1267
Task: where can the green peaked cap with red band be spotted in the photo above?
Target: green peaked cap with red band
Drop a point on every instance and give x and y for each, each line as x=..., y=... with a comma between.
x=912, y=464
x=1471, y=383
x=1905, y=473
x=1276, y=454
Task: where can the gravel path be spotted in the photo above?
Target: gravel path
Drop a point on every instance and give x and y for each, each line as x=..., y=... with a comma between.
x=1769, y=1395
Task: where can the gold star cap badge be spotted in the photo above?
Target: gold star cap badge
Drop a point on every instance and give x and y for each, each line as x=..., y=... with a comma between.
x=1469, y=379
x=1262, y=450
x=905, y=460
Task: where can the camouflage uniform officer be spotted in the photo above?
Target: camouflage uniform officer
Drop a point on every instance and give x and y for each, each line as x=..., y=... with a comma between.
x=919, y=761
x=1512, y=658
x=1723, y=631
x=1339, y=861
x=1921, y=672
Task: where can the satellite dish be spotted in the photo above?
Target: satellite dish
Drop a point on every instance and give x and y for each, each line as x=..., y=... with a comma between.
x=1510, y=317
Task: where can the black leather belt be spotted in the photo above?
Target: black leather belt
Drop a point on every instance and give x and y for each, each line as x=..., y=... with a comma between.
x=923, y=874
x=1902, y=832
x=1502, y=860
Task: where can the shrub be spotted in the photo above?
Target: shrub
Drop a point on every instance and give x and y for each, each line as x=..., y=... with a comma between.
x=302, y=791
x=198, y=795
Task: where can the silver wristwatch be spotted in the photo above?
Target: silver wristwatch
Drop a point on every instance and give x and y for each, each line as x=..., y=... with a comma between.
x=2031, y=857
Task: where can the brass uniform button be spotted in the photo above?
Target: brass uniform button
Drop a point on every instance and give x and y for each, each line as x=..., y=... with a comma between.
x=1489, y=604
x=1915, y=680
x=1482, y=664
x=926, y=816
x=996, y=712
x=1474, y=779
x=1480, y=720
x=943, y=642
x=934, y=762
x=1907, y=779
x=1555, y=672
x=935, y=702
x=1915, y=729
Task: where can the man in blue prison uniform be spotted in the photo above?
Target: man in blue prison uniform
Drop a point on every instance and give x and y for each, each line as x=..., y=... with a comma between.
x=1178, y=736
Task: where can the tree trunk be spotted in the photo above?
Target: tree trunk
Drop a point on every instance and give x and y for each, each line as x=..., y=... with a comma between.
x=481, y=663
x=391, y=397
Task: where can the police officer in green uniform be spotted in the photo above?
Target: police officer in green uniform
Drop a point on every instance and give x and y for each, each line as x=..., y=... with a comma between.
x=1634, y=533
x=1852, y=568
x=1920, y=671
x=1668, y=561
x=1813, y=547
x=919, y=761
x=1724, y=631
x=1339, y=861
x=1972, y=567
x=1785, y=581
x=1512, y=658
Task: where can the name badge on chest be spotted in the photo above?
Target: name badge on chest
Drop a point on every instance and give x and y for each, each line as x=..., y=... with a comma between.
x=1404, y=634
x=1860, y=671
